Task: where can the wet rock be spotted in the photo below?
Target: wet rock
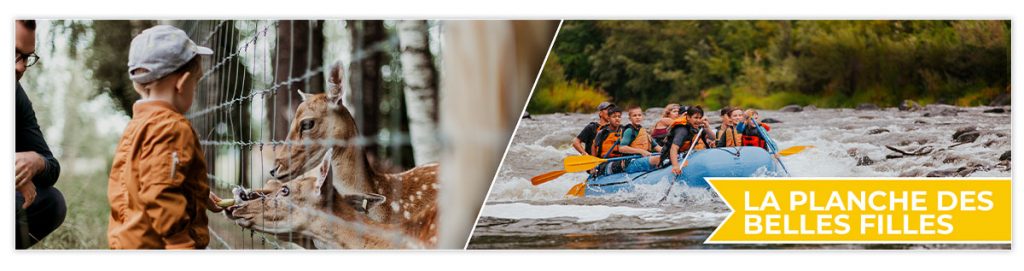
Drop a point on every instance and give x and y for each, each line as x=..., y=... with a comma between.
x=893, y=156
x=919, y=151
x=997, y=110
x=770, y=120
x=810, y=108
x=942, y=173
x=1001, y=100
x=526, y=115
x=908, y=105
x=941, y=110
x=878, y=131
x=852, y=152
x=968, y=137
x=791, y=108
x=1005, y=156
x=867, y=107
x=866, y=117
x=960, y=131
x=865, y=161
x=920, y=122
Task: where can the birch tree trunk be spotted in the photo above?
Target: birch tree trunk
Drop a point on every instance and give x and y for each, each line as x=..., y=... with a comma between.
x=420, y=79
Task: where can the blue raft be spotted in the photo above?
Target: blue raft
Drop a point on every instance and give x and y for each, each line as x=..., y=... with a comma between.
x=717, y=162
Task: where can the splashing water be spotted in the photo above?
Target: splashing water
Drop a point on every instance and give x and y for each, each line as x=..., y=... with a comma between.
x=847, y=143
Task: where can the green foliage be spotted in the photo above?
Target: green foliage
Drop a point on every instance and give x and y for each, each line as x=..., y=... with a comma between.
x=555, y=94
x=769, y=64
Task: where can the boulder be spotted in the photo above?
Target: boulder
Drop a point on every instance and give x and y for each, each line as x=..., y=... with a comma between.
x=867, y=107
x=940, y=110
x=1002, y=99
x=791, y=108
x=997, y=110
x=968, y=137
x=908, y=105
x=526, y=115
x=770, y=120
x=865, y=161
x=878, y=131
x=1005, y=156
x=963, y=130
x=810, y=108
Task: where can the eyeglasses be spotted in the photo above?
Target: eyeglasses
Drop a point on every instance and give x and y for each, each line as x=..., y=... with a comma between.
x=30, y=59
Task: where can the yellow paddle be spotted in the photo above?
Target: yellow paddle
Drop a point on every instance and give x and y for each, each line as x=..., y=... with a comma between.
x=577, y=190
x=794, y=150
x=576, y=163
x=586, y=162
x=543, y=178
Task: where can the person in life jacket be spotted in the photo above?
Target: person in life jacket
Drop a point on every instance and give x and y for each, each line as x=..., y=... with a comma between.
x=669, y=115
x=751, y=136
x=728, y=135
x=636, y=140
x=606, y=143
x=682, y=133
x=583, y=143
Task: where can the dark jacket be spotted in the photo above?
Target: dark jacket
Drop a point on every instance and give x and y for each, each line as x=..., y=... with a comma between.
x=28, y=137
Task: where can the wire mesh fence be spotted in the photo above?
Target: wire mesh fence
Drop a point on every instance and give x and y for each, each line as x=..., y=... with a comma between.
x=247, y=98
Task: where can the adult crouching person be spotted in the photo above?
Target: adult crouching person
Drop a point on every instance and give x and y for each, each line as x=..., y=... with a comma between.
x=39, y=207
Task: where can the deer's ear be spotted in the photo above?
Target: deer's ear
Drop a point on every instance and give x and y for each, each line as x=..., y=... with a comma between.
x=325, y=170
x=363, y=202
x=335, y=91
x=305, y=96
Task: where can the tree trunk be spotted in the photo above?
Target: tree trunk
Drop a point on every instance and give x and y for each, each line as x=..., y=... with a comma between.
x=420, y=79
x=365, y=79
x=299, y=49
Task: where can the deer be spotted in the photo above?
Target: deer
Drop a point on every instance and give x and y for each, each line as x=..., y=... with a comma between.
x=310, y=207
x=411, y=196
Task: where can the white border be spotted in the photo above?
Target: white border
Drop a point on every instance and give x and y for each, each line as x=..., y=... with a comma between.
x=509, y=260
x=732, y=211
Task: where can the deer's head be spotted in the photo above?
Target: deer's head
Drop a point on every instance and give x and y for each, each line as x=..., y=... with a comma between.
x=321, y=123
x=294, y=206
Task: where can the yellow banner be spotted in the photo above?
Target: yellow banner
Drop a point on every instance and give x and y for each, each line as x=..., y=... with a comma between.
x=864, y=210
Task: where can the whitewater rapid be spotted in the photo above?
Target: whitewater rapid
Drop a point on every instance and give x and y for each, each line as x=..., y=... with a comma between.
x=847, y=143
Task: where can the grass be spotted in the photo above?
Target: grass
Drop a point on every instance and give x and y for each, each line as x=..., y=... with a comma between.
x=85, y=226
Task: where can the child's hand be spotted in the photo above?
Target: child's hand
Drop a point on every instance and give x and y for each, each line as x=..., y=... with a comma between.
x=677, y=170
x=212, y=204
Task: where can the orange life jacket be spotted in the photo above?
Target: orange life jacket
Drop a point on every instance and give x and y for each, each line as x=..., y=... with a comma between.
x=601, y=149
x=642, y=140
x=686, y=144
x=732, y=138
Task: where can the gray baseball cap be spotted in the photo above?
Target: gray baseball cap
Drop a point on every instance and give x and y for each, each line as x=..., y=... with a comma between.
x=604, y=105
x=161, y=50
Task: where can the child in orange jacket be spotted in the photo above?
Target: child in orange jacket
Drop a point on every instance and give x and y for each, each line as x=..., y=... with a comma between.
x=157, y=190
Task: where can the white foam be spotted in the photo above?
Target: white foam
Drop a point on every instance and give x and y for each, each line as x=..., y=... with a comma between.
x=582, y=213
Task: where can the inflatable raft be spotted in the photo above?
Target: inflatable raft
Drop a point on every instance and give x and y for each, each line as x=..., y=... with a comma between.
x=717, y=162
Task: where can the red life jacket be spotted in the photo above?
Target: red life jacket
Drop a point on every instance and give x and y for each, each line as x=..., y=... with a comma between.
x=755, y=140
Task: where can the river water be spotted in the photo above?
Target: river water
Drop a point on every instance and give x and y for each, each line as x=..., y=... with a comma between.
x=847, y=143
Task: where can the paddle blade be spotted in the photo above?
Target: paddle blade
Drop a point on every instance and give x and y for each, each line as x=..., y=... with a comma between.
x=581, y=163
x=794, y=150
x=577, y=190
x=543, y=178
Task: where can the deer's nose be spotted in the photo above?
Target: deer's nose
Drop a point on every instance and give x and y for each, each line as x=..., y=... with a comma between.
x=273, y=172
